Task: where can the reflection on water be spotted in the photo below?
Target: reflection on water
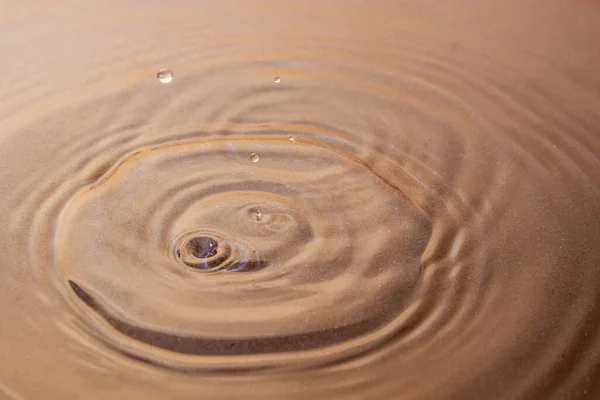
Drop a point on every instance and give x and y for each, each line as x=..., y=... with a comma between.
x=335, y=201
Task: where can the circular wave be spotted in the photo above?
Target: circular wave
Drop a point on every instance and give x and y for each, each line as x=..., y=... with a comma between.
x=319, y=242
x=324, y=240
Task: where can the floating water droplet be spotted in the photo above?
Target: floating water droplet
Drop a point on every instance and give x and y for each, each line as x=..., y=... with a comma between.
x=164, y=76
x=254, y=157
x=202, y=247
x=277, y=79
x=258, y=215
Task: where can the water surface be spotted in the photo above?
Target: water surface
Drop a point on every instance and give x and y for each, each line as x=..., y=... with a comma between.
x=269, y=200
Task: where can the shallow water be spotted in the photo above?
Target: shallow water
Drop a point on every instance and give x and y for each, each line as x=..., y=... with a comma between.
x=268, y=200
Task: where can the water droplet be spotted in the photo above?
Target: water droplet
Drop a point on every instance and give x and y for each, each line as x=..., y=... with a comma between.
x=202, y=247
x=258, y=215
x=254, y=157
x=164, y=76
x=277, y=79
x=292, y=139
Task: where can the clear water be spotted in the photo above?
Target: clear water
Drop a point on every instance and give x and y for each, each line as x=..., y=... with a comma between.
x=300, y=200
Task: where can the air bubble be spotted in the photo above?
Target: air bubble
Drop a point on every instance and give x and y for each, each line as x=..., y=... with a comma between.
x=254, y=157
x=164, y=76
x=277, y=79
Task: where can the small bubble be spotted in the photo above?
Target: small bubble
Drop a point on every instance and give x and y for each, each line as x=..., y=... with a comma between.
x=164, y=76
x=254, y=157
x=258, y=215
x=292, y=139
x=277, y=79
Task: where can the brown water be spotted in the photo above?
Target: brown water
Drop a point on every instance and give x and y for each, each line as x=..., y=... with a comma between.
x=298, y=200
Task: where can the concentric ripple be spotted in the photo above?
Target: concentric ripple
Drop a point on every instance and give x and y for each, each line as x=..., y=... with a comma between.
x=311, y=201
x=191, y=206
